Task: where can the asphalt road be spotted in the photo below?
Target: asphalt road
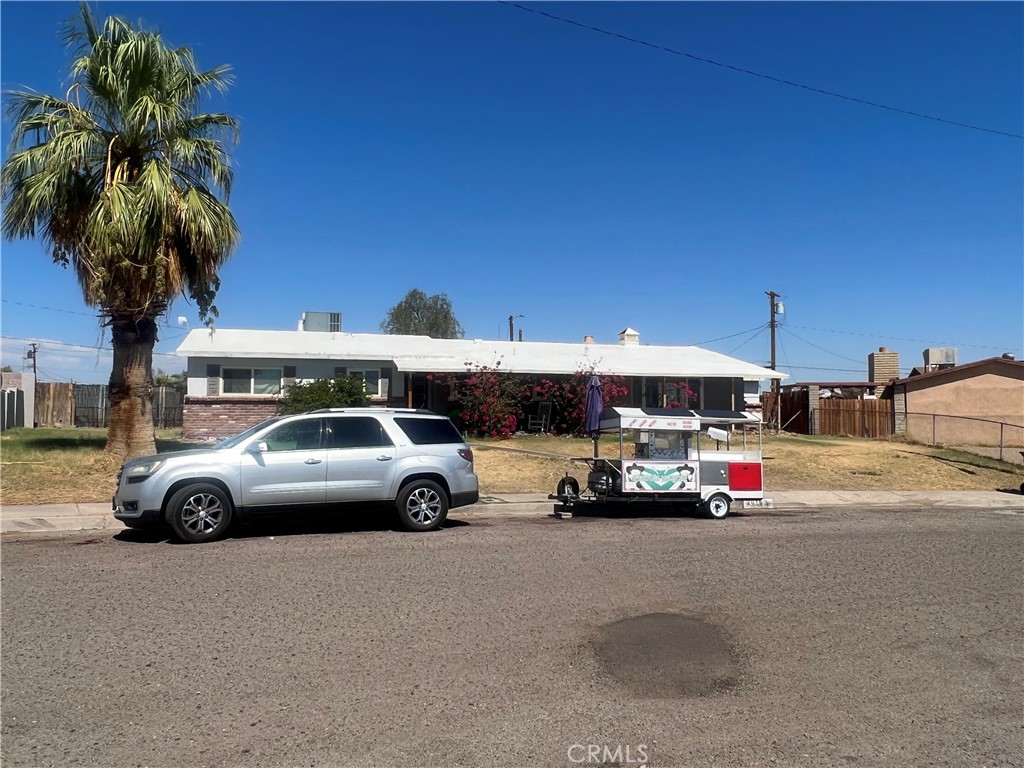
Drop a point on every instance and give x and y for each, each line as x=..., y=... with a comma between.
x=812, y=638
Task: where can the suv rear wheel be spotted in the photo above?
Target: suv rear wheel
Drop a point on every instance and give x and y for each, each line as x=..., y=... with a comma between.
x=199, y=512
x=422, y=505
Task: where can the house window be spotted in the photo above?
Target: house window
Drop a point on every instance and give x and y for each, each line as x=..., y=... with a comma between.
x=371, y=381
x=673, y=393
x=251, y=381
x=683, y=393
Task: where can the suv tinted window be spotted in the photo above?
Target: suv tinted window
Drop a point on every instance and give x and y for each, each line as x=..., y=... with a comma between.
x=356, y=432
x=295, y=436
x=429, y=431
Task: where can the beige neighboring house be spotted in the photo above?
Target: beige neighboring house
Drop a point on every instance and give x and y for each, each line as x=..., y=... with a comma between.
x=980, y=404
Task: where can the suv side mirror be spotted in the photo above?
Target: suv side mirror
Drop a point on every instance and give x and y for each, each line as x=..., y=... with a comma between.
x=258, y=447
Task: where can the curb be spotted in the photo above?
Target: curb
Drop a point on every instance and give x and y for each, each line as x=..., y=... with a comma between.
x=96, y=516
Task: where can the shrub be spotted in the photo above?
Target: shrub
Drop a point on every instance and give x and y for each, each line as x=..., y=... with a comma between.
x=339, y=392
x=569, y=399
x=490, y=402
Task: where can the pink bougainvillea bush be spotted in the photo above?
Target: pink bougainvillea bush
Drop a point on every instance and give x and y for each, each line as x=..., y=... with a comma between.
x=490, y=402
x=568, y=398
x=682, y=389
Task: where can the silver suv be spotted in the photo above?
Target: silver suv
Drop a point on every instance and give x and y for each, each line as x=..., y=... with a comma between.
x=411, y=460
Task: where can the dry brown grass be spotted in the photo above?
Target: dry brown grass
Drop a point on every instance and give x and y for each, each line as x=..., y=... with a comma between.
x=792, y=463
x=52, y=466
x=61, y=466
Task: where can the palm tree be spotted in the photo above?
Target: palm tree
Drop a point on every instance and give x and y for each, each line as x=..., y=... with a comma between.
x=127, y=182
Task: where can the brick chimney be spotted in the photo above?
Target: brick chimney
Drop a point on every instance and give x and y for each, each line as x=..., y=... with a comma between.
x=883, y=367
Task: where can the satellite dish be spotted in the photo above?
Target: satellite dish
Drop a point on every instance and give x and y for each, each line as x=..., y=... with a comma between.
x=183, y=321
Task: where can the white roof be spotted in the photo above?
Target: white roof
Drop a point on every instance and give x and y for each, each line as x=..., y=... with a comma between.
x=421, y=354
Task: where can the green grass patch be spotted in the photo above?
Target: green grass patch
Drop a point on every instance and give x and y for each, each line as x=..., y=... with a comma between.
x=24, y=444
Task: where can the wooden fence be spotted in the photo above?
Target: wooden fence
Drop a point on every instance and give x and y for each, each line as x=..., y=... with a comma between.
x=55, y=404
x=793, y=415
x=87, y=405
x=856, y=418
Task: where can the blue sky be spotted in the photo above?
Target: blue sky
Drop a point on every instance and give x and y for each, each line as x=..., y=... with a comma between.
x=525, y=166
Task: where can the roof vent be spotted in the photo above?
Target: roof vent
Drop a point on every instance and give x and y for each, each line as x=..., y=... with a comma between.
x=588, y=339
x=629, y=337
x=1008, y=356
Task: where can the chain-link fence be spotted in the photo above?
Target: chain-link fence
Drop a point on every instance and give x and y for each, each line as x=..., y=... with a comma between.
x=989, y=437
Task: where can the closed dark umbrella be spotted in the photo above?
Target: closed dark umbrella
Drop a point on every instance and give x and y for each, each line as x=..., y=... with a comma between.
x=592, y=414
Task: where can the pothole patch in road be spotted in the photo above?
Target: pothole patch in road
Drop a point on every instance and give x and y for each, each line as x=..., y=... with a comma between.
x=667, y=655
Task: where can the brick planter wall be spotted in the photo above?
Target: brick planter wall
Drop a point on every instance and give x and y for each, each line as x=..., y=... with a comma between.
x=209, y=418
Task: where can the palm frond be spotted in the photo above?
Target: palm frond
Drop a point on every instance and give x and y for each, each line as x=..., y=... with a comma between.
x=125, y=178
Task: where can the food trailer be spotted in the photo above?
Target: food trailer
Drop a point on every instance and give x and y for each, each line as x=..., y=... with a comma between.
x=704, y=460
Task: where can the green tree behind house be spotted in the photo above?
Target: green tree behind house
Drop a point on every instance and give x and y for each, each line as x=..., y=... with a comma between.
x=420, y=315
x=126, y=180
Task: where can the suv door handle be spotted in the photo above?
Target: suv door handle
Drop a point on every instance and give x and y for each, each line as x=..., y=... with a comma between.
x=384, y=458
x=314, y=461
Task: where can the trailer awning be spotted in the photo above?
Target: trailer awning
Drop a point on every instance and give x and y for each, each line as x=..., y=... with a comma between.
x=677, y=419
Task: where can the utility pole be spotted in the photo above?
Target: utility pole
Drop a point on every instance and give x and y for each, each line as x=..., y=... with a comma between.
x=32, y=355
x=773, y=324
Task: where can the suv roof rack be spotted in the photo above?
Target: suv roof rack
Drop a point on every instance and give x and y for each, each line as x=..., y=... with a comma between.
x=366, y=409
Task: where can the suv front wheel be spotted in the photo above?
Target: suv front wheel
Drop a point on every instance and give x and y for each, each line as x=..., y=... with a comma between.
x=199, y=512
x=422, y=505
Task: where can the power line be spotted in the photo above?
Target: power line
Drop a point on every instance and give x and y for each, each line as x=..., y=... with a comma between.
x=78, y=347
x=898, y=338
x=785, y=355
x=761, y=75
x=759, y=332
x=820, y=368
x=730, y=336
x=827, y=351
x=50, y=309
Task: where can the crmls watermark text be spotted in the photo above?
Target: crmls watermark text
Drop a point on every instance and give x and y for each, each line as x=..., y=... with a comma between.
x=598, y=754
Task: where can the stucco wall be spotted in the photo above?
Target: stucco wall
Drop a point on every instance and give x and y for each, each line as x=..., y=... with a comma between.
x=961, y=399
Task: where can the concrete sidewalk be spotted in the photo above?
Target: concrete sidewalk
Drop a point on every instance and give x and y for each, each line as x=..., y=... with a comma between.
x=97, y=516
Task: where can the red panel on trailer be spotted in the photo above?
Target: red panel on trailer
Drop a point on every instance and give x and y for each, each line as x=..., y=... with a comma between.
x=744, y=476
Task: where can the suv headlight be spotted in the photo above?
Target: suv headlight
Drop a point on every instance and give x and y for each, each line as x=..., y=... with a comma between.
x=140, y=472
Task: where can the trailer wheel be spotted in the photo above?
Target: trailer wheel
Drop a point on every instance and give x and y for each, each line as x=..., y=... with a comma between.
x=717, y=506
x=568, y=486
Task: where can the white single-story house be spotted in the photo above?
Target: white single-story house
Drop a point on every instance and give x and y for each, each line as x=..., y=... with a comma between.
x=236, y=376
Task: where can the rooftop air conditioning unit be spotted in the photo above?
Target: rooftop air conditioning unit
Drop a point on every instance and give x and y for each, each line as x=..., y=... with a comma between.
x=325, y=322
x=938, y=358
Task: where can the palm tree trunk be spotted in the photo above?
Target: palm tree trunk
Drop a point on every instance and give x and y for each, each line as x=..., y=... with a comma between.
x=131, y=387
